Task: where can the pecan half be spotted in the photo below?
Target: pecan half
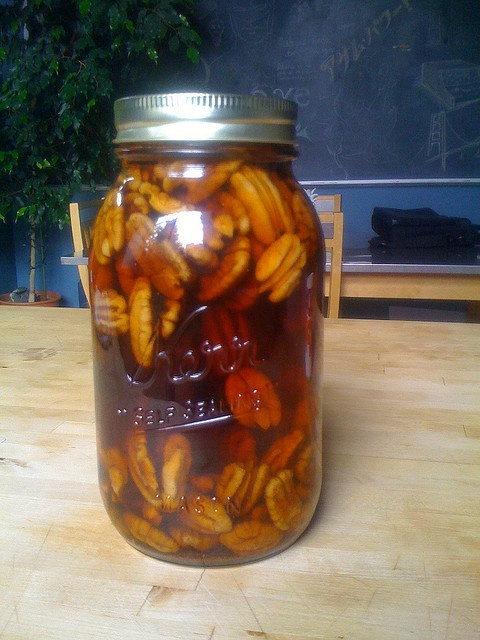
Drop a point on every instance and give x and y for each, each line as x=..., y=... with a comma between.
x=251, y=536
x=116, y=467
x=280, y=266
x=205, y=515
x=189, y=538
x=282, y=450
x=252, y=398
x=177, y=459
x=196, y=183
x=283, y=502
x=158, y=257
x=262, y=225
x=142, y=469
x=143, y=531
x=108, y=234
x=110, y=312
x=233, y=267
x=142, y=330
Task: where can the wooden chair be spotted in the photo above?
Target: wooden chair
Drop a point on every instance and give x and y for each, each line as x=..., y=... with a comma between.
x=329, y=209
x=82, y=215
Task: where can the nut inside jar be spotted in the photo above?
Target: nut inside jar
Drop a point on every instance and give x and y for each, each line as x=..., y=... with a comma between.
x=203, y=298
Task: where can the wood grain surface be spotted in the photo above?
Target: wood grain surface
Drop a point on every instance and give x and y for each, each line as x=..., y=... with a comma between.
x=394, y=548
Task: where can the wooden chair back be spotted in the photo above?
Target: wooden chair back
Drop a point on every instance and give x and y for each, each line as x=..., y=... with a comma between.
x=329, y=210
x=82, y=215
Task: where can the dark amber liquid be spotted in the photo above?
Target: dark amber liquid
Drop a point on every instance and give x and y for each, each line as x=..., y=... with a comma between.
x=182, y=390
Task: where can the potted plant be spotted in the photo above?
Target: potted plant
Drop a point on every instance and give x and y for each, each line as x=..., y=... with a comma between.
x=64, y=63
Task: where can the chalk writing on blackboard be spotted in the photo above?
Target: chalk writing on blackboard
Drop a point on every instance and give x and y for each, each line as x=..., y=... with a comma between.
x=451, y=83
x=385, y=88
x=455, y=130
x=341, y=59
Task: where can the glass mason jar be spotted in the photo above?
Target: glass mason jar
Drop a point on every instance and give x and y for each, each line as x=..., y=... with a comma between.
x=206, y=275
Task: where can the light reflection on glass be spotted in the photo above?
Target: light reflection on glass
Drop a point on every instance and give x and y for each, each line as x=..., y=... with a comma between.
x=188, y=226
x=193, y=172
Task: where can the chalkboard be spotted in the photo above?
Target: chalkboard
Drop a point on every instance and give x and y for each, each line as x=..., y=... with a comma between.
x=387, y=89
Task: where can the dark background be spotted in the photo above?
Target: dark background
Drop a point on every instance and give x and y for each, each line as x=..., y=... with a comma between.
x=357, y=69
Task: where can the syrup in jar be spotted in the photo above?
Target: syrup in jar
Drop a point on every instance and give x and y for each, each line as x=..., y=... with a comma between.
x=206, y=275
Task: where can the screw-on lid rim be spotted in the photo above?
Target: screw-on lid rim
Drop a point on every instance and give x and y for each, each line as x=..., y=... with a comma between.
x=205, y=117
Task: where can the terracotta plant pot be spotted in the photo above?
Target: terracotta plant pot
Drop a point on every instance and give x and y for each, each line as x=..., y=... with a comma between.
x=53, y=300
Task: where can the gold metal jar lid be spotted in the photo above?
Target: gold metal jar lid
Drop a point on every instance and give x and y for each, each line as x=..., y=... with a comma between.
x=205, y=117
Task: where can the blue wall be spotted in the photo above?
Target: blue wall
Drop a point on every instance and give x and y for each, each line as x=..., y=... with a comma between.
x=61, y=278
x=8, y=280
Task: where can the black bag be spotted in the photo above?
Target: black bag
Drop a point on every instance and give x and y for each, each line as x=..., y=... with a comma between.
x=421, y=228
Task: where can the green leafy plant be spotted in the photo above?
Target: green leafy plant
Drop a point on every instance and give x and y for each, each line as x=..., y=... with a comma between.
x=64, y=64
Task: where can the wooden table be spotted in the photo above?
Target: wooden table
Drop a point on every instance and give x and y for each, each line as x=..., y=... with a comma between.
x=393, y=552
x=364, y=277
